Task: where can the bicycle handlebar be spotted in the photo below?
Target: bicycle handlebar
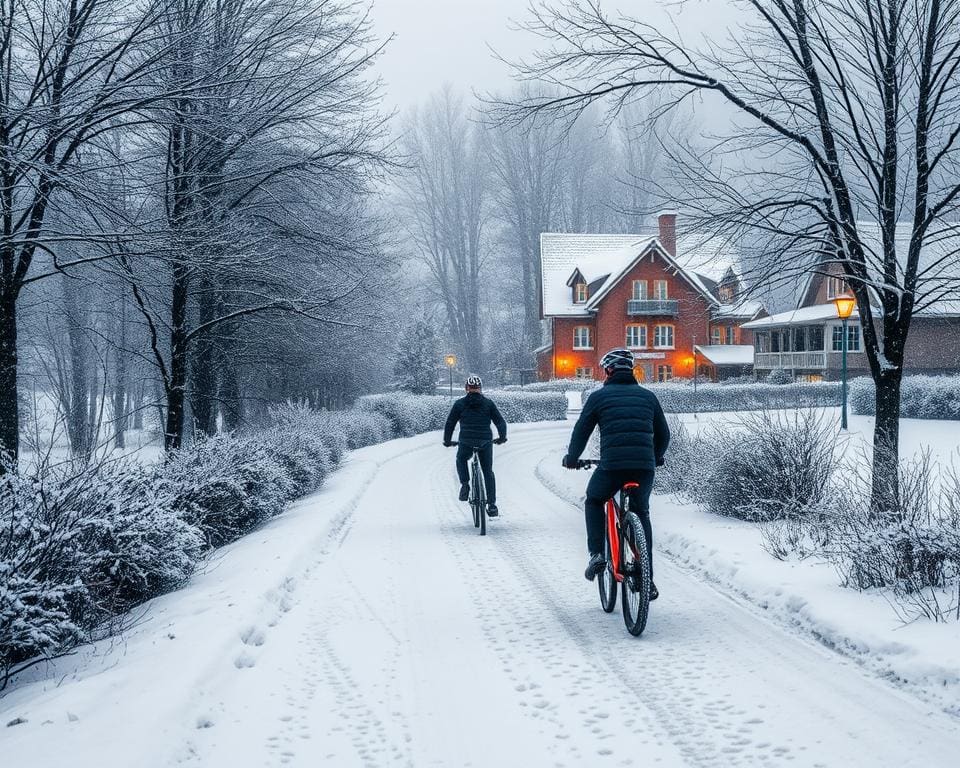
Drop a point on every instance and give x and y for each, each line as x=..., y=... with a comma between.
x=454, y=443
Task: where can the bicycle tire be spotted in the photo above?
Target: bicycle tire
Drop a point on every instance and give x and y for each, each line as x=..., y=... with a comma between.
x=474, y=490
x=607, y=583
x=482, y=502
x=635, y=587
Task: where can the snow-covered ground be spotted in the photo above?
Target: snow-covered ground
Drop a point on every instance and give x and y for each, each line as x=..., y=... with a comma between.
x=370, y=625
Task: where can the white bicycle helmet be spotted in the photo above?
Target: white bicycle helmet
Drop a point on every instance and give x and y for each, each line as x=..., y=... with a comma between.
x=474, y=381
x=619, y=359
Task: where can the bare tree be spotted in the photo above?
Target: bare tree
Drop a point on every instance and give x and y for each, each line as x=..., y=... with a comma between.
x=69, y=71
x=853, y=105
x=446, y=195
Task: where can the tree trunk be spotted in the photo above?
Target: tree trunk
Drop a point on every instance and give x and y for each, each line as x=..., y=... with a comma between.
x=9, y=398
x=885, y=491
x=203, y=383
x=78, y=393
x=176, y=388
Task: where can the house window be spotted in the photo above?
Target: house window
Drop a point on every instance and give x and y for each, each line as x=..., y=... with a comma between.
x=716, y=335
x=815, y=338
x=730, y=334
x=664, y=372
x=584, y=373
x=636, y=336
x=639, y=290
x=580, y=293
x=663, y=337
x=581, y=337
x=836, y=286
x=660, y=290
x=853, y=338
x=726, y=293
x=761, y=342
x=799, y=339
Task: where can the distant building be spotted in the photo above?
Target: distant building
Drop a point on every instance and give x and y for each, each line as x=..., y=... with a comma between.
x=675, y=300
x=808, y=341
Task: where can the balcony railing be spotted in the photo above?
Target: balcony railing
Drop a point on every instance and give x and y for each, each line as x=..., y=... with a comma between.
x=790, y=360
x=652, y=307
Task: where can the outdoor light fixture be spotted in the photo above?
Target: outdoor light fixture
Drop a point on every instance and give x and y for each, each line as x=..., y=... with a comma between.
x=451, y=361
x=844, y=304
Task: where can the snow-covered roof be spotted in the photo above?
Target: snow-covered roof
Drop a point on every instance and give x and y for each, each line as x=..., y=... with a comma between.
x=727, y=354
x=745, y=308
x=938, y=274
x=812, y=314
x=604, y=259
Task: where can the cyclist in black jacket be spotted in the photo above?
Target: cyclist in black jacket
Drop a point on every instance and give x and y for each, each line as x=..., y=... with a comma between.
x=475, y=412
x=633, y=439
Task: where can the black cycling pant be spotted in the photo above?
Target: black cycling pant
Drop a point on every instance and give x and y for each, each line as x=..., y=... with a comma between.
x=602, y=487
x=464, y=453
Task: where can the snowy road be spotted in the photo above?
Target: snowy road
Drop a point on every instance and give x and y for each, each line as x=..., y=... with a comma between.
x=406, y=639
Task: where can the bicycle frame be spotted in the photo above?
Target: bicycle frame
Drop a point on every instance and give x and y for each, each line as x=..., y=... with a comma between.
x=614, y=516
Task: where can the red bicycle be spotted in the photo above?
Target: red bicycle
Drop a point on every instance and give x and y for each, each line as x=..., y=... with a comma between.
x=627, y=555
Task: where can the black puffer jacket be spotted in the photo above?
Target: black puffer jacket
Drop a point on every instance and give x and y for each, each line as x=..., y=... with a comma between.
x=474, y=412
x=633, y=430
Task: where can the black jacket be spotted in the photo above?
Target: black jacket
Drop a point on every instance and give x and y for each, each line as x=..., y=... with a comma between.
x=474, y=412
x=633, y=430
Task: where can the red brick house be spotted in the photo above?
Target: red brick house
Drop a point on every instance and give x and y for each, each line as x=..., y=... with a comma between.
x=808, y=341
x=675, y=301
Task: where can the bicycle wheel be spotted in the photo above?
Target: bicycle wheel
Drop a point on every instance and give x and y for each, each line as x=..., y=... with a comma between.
x=481, y=502
x=636, y=574
x=607, y=583
x=474, y=491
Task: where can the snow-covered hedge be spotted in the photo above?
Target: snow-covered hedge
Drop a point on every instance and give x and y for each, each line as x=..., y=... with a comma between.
x=554, y=385
x=757, y=396
x=406, y=415
x=921, y=397
x=82, y=544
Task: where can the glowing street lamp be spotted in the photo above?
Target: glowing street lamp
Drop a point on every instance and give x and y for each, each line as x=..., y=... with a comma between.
x=451, y=361
x=844, y=304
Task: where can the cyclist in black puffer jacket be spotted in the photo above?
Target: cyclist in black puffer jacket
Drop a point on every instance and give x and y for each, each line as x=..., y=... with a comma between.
x=633, y=439
x=475, y=414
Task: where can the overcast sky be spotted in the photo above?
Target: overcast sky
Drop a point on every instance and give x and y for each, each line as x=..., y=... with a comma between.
x=439, y=41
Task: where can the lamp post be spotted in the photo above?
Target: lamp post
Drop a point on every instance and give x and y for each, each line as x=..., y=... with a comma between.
x=844, y=304
x=451, y=361
x=695, y=378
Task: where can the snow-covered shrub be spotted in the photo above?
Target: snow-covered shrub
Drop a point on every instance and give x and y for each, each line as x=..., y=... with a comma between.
x=921, y=397
x=779, y=377
x=82, y=543
x=35, y=620
x=770, y=466
x=359, y=428
x=350, y=429
x=909, y=542
x=684, y=465
x=226, y=485
x=554, y=385
x=755, y=396
x=407, y=415
x=520, y=407
x=132, y=544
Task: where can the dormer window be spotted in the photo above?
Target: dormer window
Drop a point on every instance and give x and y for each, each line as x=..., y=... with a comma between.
x=836, y=286
x=580, y=293
x=726, y=293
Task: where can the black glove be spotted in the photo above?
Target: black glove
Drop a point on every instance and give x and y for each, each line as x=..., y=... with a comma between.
x=660, y=461
x=569, y=463
x=500, y=441
x=447, y=443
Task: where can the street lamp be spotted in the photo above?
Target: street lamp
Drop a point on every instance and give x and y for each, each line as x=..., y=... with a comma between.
x=451, y=361
x=844, y=304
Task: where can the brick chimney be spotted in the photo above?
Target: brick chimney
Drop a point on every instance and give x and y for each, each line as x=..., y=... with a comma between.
x=667, y=221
